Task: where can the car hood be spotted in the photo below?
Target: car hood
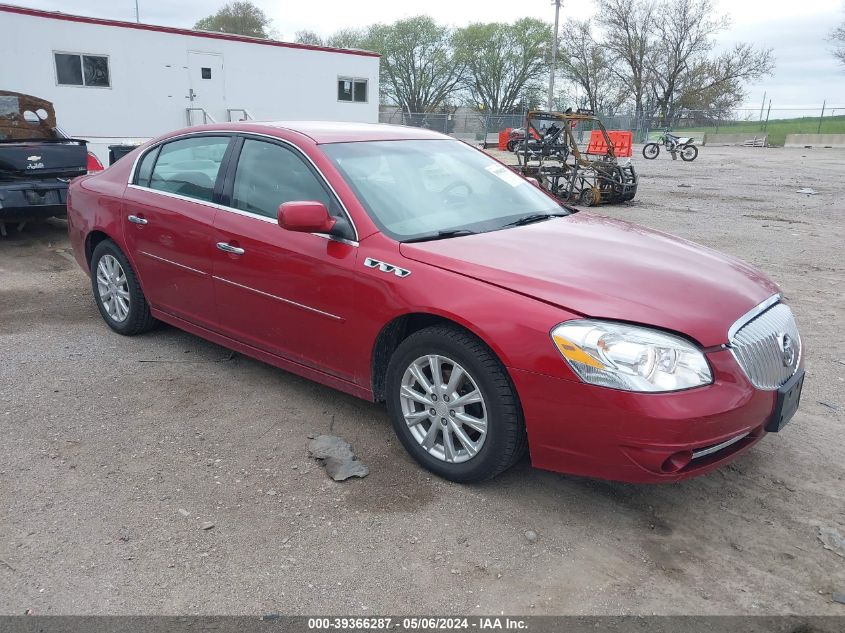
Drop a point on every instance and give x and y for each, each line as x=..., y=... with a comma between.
x=606, y=268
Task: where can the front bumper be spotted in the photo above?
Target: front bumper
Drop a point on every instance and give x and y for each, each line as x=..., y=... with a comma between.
x=604, y=433
x=31, y=200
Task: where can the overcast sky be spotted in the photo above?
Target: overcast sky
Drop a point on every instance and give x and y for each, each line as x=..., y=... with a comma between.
x=805, y=76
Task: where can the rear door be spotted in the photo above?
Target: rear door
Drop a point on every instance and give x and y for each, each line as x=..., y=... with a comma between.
x=169, y=214
x=284, y=292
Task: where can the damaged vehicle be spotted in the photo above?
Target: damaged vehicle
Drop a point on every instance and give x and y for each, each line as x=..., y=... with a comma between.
x=549, y=153
x=37, y=161
x=406, y=267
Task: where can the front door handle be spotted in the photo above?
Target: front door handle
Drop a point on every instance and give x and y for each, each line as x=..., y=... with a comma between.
x=228, y=248
x=137, y=220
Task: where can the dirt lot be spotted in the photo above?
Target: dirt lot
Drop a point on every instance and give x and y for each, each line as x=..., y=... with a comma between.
x=114, y=451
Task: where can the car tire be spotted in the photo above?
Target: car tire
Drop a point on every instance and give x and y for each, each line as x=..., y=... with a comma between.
x=117, y=292
x=504, y=440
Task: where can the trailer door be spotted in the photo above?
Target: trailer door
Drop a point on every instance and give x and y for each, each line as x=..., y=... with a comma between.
x=206, y=88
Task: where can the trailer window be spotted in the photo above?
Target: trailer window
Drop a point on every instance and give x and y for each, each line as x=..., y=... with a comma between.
x=351, y=89
x=78, y=69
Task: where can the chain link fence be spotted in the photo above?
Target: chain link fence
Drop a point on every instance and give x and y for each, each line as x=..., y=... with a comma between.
x=773, y=123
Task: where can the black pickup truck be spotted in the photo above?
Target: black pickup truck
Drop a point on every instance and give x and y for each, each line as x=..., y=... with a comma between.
x=37, y=161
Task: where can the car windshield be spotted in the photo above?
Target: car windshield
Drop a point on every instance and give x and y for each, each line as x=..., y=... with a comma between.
x=417, y=190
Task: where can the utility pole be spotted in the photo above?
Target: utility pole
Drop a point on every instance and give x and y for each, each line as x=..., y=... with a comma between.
x=550, y=103
x=137, y=12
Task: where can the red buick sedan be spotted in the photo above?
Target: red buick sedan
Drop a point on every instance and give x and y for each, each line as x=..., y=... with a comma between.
x=403, y=266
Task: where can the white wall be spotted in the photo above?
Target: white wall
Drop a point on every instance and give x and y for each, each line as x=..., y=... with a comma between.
x=150, y=81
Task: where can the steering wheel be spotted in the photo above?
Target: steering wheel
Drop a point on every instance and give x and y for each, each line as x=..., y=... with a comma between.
x=449, y=192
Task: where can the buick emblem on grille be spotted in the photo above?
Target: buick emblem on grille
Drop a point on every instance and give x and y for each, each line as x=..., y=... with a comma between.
x=787, y=349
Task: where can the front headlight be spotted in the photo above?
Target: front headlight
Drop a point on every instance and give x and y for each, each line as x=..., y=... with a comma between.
x=629, y=357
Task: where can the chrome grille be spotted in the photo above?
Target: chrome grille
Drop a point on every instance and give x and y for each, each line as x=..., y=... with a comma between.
x=761, y=347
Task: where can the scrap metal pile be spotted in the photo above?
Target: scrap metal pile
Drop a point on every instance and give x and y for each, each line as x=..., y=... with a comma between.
x=549, y=153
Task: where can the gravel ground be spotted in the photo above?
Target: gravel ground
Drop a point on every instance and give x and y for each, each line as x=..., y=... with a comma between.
x=116, y=452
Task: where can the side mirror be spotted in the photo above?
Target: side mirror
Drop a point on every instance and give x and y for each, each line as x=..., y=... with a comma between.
x=306, y=216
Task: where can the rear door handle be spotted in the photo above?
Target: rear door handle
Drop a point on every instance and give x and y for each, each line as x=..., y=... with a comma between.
x=228, y=248
x=137, y=220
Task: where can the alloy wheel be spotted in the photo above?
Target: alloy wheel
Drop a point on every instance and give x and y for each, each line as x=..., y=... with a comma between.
x=113, y=288
x=443, y=408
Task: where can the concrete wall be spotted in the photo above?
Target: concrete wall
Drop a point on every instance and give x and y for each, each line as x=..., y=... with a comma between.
x=152, y=73
x=731, y=139
x=815, y=140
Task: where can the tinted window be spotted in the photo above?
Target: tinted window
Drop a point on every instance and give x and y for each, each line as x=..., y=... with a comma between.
x=68, y=69
x=189, y=167
x=145, y=168
x=95, y=70
x=361, y=90
x=270, y=174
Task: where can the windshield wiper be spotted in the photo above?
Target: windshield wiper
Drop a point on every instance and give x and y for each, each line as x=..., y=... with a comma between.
x=440, y=235
x=535, y=217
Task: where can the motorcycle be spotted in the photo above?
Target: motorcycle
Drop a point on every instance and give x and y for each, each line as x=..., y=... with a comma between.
x=684, y=145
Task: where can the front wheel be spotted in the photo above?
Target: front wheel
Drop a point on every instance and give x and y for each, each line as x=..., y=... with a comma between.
x=453, y=405
x=118, y=293
x=651, y=151
x=511, y=146
x=689, y=153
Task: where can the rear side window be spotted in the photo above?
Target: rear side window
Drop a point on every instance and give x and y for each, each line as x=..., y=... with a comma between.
x=269, y=175
x=189, y=167
x=145, y=168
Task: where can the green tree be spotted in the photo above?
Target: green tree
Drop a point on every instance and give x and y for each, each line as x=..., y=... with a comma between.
x=419, y=70
x=308, y=37
x=241, y=18
x=505, y=63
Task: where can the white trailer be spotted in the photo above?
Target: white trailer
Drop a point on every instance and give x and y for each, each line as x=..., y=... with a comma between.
x=116, y=82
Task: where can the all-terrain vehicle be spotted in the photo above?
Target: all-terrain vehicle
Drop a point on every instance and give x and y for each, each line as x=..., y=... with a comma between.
x=549, y=152
x=36, y=160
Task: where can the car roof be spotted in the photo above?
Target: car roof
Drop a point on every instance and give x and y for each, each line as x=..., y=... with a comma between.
x=344, y=132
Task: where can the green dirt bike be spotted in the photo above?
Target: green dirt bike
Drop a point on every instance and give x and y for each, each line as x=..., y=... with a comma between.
x=674, y=144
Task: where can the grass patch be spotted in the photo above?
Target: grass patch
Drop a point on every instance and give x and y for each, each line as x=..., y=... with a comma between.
x=777, y=129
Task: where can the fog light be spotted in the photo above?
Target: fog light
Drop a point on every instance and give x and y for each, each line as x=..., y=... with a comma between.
x=676, y=461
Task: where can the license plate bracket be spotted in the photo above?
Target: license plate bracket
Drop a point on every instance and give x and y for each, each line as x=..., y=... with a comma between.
x=788, y=399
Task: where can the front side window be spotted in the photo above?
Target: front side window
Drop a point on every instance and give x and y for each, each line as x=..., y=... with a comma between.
x=78, y=69
x=269, y=175
x=189, y=167
x=350, y=89
x=415, y=189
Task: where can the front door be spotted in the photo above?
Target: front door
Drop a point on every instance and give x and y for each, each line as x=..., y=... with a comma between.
x=206, y=87
x=285, y=292
x=169, y=221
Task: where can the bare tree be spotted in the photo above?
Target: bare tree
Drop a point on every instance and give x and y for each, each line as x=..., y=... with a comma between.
x=838, y=39
x=717, y=84
x=505, y=63
x=347, y=38
x=629, y=40
x=419, y=70
x=587, y=65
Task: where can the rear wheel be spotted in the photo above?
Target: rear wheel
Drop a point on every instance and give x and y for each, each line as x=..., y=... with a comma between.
x=453, y=405
x=689, y=153
x=117, y=291
x=651, y=151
